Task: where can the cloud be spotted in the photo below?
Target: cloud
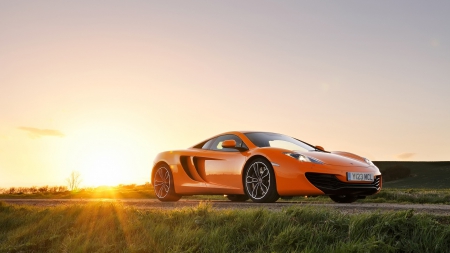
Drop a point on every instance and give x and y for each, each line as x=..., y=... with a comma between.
x=35, y=133
x=406, y=155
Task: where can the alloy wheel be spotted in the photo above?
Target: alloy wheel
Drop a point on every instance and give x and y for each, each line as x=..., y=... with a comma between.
x=162, y=182
x=257, y=180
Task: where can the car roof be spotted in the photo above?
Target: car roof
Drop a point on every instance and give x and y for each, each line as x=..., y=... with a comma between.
x=233, y=132
x=245, y=132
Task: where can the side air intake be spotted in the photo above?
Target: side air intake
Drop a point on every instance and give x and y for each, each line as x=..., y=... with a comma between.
x=187, y=162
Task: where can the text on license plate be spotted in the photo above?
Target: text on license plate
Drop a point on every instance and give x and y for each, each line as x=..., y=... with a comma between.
x=358, y=176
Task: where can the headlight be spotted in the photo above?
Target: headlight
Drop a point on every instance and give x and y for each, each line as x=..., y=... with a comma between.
x=368, y=161
x=303, y=158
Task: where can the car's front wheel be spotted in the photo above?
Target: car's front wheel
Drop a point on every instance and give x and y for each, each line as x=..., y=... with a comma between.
x=344, y=198
x=163, y=184
x=259, y=182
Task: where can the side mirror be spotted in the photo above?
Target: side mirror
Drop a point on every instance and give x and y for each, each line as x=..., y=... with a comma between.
x=229, y=144
x=320, y=148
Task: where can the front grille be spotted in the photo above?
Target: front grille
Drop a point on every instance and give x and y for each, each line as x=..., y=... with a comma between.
x=330, y=184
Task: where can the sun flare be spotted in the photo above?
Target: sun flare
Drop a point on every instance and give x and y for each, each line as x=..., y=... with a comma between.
x=105, y=155
x=104, y=165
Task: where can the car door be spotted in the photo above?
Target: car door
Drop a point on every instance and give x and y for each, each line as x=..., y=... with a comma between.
x=222, y=169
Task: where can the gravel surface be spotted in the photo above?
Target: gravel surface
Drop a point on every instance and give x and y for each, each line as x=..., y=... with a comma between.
x=278, y=206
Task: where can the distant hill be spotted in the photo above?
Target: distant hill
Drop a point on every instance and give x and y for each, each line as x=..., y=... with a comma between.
x=422, y=174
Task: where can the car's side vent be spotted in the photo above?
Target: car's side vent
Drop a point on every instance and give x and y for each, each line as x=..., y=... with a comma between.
x=199, y=165
x=184, y=164
x=189, y=168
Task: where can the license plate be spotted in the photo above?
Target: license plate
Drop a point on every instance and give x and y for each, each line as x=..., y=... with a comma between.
x=358, y=176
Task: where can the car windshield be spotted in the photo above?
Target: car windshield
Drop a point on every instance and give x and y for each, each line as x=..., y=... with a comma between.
x=278, y=141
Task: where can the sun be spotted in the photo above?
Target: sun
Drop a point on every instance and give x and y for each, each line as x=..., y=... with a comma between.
x=104, y=164
x=105, y=154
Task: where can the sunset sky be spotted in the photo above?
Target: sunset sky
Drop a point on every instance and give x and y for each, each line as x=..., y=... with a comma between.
x=101, y=87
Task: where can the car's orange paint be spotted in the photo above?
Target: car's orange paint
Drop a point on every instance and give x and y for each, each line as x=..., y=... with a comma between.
x=221, y=172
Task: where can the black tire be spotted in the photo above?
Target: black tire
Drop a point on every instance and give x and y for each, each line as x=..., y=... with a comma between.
x=344, y=198
x=259, y=181
x=163, y=184
x=237, y=198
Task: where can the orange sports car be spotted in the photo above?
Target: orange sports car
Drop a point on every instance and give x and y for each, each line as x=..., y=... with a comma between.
x=262, y=166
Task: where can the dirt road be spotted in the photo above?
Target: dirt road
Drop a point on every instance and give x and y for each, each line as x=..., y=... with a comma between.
x=155, y=204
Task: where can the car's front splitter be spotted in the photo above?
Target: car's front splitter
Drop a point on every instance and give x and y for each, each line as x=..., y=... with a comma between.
x=331, y=185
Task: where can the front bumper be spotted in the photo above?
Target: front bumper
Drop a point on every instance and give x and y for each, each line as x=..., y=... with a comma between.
x=331, y=185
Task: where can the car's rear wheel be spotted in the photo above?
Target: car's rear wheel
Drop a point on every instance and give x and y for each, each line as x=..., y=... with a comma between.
x=237, y=198
x=344, y=198
x=163, y=184
x=259, y=181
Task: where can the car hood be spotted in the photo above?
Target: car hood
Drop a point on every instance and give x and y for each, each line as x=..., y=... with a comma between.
x=338, y=158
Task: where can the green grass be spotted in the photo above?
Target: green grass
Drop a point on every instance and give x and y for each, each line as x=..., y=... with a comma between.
x=411, y=196
x=431, y=175
x=387, y=195
x=111, y=227
x=390, y=195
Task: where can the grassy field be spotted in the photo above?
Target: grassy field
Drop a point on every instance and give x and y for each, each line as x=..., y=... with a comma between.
x=415, y=196
x=387, y=195
x=111, y=227
x=115, y=192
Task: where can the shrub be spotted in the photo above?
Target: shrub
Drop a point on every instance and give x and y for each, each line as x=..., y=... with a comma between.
x=33, y=189
x=53, y=189
x=43, y=189
x=62, y=188
x=21, y=190
x=12, y=190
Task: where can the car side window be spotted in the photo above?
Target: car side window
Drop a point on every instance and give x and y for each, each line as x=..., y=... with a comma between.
x=208, y=144
x=217, y=143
